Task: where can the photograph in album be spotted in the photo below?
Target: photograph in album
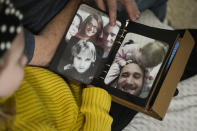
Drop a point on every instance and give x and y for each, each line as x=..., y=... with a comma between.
x=87, y=42
x=136, y=64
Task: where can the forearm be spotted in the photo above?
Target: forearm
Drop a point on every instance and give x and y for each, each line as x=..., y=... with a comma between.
x=49, y=38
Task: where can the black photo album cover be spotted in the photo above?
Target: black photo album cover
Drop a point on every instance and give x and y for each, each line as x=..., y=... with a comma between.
x=129, y=60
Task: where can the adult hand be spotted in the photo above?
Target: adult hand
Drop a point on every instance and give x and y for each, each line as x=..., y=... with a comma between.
x=130, y=6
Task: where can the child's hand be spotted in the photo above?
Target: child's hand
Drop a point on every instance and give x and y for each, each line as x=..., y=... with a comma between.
x=122, y=63
x=130, y=6
x=128, y=56
x=66, y=67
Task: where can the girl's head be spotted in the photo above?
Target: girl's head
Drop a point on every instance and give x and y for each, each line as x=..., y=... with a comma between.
x=151, y=54
x=91, y=27
x=84, y=54
x=12, y=59
x=74, y=28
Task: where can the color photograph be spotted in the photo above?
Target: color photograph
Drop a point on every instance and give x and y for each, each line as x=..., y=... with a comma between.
x=136, y=64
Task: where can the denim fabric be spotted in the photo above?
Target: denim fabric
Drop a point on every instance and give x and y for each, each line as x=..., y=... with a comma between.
x=158, y=7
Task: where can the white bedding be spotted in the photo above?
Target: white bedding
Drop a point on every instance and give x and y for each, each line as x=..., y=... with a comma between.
x=182, y=112
x=181, y=115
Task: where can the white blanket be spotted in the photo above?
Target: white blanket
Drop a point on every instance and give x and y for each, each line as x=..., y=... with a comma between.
x=181, y=114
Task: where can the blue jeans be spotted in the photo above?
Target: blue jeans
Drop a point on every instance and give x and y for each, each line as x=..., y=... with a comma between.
x=158, y=7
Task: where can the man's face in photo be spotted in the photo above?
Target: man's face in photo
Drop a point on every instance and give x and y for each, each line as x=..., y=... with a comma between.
x=131, y=79
x=109, y=35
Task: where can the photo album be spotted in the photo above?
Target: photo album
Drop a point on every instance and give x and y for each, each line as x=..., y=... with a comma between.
x=138, y=65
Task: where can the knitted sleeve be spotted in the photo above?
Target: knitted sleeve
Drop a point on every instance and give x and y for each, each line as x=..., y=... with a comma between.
x=96, y=103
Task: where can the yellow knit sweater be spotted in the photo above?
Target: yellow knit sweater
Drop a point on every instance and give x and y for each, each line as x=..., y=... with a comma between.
x=45, y=102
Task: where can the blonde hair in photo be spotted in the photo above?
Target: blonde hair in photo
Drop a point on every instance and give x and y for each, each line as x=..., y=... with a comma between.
x=155, y=52
x=86, y=47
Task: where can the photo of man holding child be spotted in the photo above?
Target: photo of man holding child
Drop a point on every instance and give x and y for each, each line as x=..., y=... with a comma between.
x=88, y=40
x=136, y=64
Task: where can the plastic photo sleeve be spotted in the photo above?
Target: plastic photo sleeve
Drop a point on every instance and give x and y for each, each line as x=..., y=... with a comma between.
x=88, y=41
x=136, y=65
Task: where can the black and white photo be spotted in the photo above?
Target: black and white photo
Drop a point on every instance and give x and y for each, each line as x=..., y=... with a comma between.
x=88, y=41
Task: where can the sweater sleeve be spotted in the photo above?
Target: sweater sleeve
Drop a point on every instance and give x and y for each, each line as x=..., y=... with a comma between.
x=96, y=103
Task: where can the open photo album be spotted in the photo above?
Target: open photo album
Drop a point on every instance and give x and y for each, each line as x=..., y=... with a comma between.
x=133, y=62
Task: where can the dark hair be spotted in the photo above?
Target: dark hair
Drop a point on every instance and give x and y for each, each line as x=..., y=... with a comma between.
x=129, y=42
x=135, y=62
x=99, y=29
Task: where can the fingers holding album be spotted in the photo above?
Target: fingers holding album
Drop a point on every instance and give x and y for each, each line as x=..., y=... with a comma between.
x=112, y=7
x=130, y=6
x=101, y=4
